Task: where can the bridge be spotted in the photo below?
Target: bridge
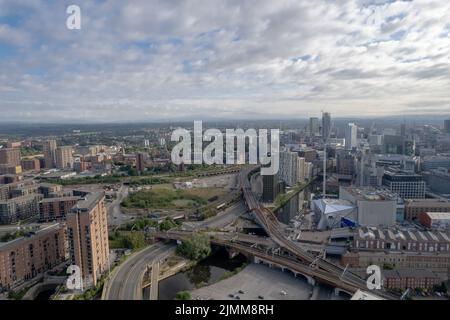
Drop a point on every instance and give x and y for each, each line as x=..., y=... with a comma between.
x=270, y=224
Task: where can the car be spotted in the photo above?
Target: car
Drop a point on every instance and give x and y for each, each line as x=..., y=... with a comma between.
x=261, y=297
x=241, y=292
x=238, y=298
x=231, y=295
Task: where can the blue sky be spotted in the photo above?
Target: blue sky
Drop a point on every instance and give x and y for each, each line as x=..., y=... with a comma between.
x=162, y=60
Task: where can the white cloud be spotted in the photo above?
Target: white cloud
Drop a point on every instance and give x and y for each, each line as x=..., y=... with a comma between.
x=178, y=59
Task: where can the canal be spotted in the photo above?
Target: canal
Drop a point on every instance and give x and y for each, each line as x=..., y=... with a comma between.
x=206, y=272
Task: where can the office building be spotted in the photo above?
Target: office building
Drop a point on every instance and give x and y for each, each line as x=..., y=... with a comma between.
x=10, y=156
x=351, y=133
x=326, y=125
x=26, y=257
x=49, y=147
x=64, y=158
x=314, y=127
x=435, y=162
x=345, y=162
x=270, y=187
x=438, y=180
x=406, y=185
x=447, y=126
x=374, y=207
x=87, y=232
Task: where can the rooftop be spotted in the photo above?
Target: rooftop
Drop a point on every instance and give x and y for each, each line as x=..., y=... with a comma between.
x=88, y=203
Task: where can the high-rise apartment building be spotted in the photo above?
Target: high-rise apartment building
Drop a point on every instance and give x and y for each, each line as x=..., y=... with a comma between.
x=351, y=133
x=289, y=167
x=87, y=232
x=64, y=158
x=326, y=125
x=10, y=156
x=141, y=159
x=31, y=165
x=49, y=147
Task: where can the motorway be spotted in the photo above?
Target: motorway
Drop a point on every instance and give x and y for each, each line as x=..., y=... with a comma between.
x=125, y=281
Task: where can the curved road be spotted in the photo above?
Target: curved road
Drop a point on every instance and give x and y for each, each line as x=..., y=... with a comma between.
x=125, y=281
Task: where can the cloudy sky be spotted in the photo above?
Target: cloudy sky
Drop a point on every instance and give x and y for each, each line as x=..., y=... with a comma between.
x=165, y=60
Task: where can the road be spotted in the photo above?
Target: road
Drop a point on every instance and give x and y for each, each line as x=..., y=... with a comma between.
x=115, y=214
x=222, y=219
x=125, y=281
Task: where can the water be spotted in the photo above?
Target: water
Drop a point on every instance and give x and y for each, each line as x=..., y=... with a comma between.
x=206, y=272
x=45, y=294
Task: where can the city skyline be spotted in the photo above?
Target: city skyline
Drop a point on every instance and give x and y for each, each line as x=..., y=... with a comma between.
x=151, y=61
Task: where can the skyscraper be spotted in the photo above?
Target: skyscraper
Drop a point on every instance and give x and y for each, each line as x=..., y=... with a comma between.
x=50, y=153
x=351, y=136
x=87, y=231
x=447, y=126
x=313, y=126
x=326, y=125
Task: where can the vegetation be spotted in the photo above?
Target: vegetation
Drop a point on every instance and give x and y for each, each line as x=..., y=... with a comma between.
x=17, y=295
x=229, y=274
x=139, y=224
x=133, y=240
x=93, y=293
x=146, y=199
x=183, y=295
x=197, y=247
x=12, y=235
x=28, y=151
x=388, y=266
x=167, y=224
x=109, y=179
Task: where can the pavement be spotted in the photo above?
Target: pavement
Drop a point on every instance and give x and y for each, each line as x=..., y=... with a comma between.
x=254, y=282
x=125, y=281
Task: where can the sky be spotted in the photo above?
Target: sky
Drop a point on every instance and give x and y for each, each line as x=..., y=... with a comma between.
x=148, y=60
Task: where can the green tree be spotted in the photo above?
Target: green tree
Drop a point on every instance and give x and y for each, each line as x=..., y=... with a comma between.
x=183, y=295
x=134, y=240
x=196, y=247
x=167, y=224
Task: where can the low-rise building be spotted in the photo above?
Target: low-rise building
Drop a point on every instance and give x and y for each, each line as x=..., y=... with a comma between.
x=435, y=220
x=414, y=207
x=410, y=278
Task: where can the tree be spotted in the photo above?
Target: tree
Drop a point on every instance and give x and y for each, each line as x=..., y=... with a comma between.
x=196, y=247
x=134, y=240
x=167, y=224
x=183, y=295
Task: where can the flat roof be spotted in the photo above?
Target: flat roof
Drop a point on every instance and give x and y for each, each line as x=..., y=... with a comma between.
x=88, y=203
x=439, y=215
x=44, y=228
